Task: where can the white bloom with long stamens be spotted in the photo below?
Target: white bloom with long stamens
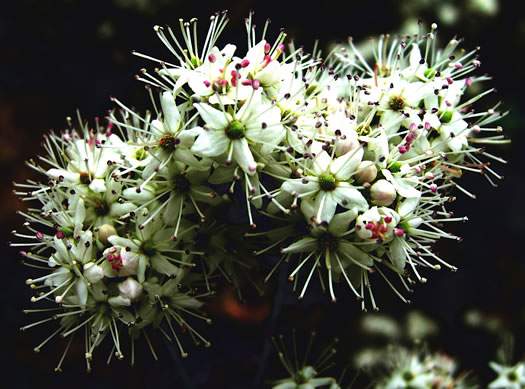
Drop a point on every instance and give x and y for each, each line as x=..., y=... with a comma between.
x=327, y=183
x=232, y=133
x=509, y=377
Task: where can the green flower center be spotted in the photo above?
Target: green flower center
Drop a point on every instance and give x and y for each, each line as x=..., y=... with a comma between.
x=395, y=167
x=446, y=117
x=408, y=376
x=148, y=248
x=327, y=182
x=327, y=241
x=181, y=184
x=103, y=308
x=396, y=103
x=235, y=130
x=429, y=73
x=512, y=376
x=404, y=226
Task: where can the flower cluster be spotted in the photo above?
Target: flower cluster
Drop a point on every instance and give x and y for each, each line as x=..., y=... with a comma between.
x=348, y=165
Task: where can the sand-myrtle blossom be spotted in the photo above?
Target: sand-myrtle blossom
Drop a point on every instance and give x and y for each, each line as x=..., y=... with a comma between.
x=173, y=303
x=86, y=163
x=304, y=373
x=330, y=244
x=150, y=245
x=327, y=182
x=509, y=377
x=377, y=224
x=232, y=133
x=421, y=369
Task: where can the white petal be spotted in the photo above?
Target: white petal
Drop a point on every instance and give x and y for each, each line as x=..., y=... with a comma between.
x=118, y=241
x=141, y=268
x=130, y=289
x=98, y=185
x=147, y=193
x=82, y=291
x=397, y=254
x=325, y=206
x=85, y=247
x=355, y=253
x=93, y=273
x=344, y=166
x=391, y=121
x=303, y=245
x=243, y=156
x=119, y=301
x=322, y=162
x=130, y=261
x=170, y=111
x=78, y=219
x=171, y=214
x=214, y=118
x=163, y=266
x=211, y=143
x=117, y=209
x=297, y=185
x=68, y=176
x=340, y=222
x=349, y=197
x=157, y=128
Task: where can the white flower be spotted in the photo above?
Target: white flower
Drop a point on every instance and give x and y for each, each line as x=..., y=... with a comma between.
x=231, y=133
x=509, y=377
x=377, y=224
x=327, y=183
x=330, y=241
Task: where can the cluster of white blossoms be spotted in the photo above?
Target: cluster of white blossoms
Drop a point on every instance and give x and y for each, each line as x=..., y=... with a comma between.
x=346, y=166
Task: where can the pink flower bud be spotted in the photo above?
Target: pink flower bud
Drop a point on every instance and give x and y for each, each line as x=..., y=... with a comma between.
x=383, y=193
x=130, y=289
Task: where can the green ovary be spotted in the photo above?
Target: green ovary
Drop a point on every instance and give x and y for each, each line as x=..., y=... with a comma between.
x=327, y=182
x=236, y=130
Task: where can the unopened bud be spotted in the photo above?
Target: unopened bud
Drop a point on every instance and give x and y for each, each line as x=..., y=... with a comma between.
x=366, y=174
x=383, y=193
x=130, y=289
x=343, y=146
x=105, y=231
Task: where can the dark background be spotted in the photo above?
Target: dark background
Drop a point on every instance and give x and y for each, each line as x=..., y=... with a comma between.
x=60, y=56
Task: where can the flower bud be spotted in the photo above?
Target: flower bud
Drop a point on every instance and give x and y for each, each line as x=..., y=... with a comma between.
x=343, y=146
x=104, y=232
x=130, y=289
x=366, y=172
x=383, y=193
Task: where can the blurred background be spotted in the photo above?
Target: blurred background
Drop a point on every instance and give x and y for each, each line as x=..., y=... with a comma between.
x=65, y=55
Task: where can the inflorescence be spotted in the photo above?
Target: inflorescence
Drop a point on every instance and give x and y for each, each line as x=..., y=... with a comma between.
x=346, y=164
